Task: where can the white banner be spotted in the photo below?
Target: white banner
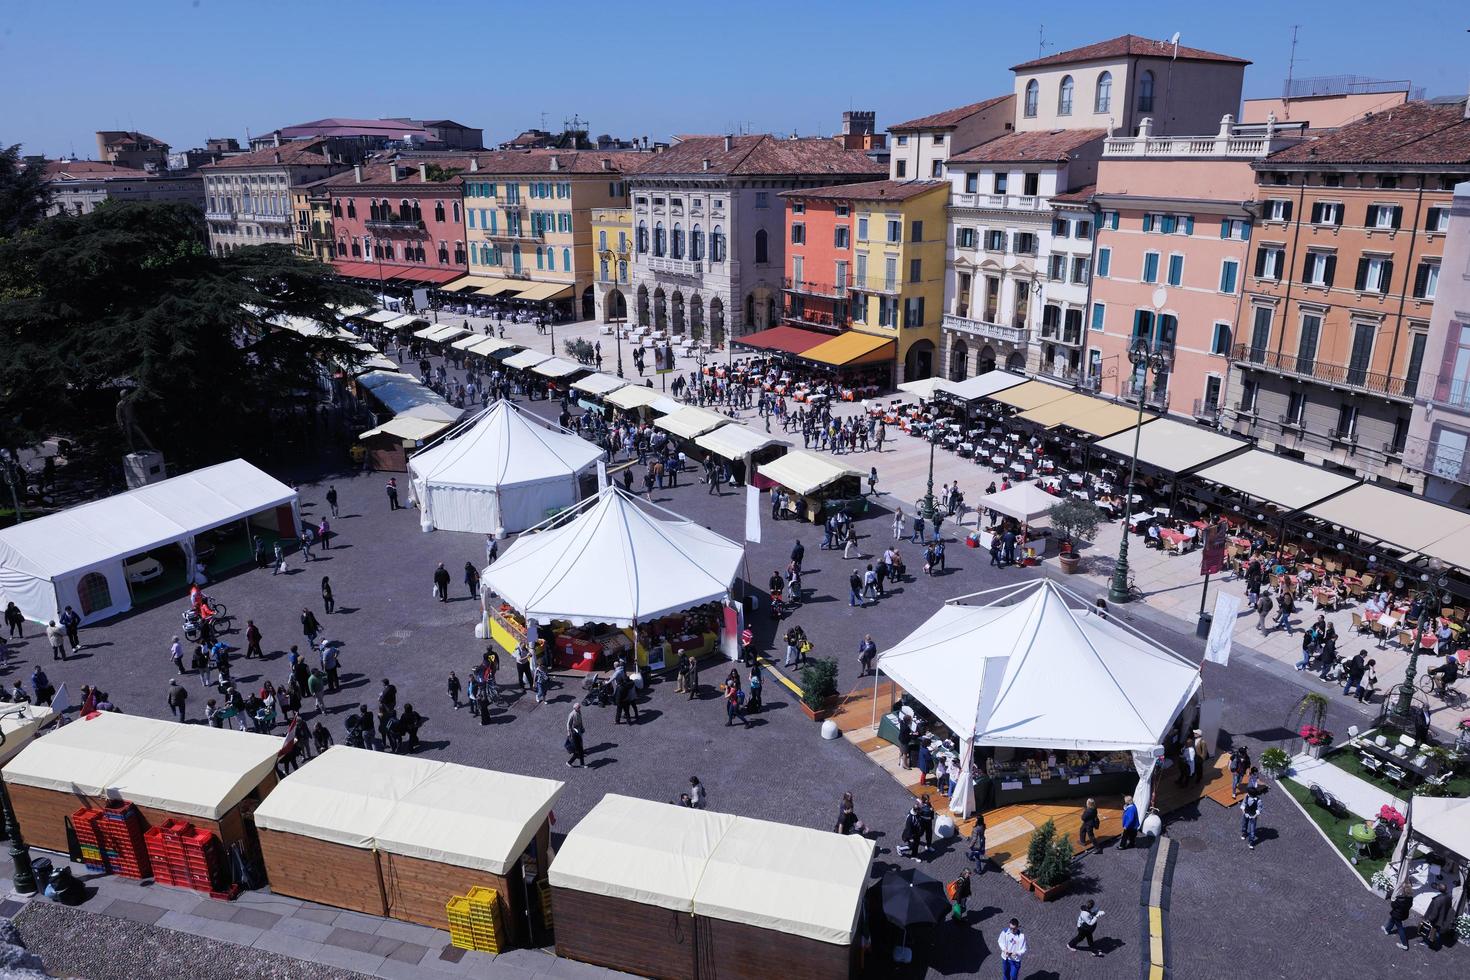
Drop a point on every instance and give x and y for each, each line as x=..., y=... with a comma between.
x=1222, y=628
x=61, y=701
x=601, y=475
x=753, y=514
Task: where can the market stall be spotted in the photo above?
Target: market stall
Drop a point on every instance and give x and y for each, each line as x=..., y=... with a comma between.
x=613, y=569
x=972, y=391
x=401, y=398
x=21, y=723
x=558, y=368
x=502, y=471
x=210, y=777
x=744, y=449
x=526, y=359
x=761, y=899
x=689, y=423
x=818, y=484
x=597, y=386
x=634, y=398
x=1041, y=698
x=400, y=836
x=1023, y=504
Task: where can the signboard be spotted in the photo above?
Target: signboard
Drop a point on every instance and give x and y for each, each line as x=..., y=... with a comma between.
x=1212, y=556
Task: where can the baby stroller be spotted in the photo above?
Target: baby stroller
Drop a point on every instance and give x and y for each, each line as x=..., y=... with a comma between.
x=597, y=692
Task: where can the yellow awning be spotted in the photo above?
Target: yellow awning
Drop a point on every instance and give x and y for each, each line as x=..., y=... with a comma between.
x=466, y=283
x=1064, y=409
x=494, y=287
x=1032, y=394
x=853, y=347
x=1108, y=420
x=545, y=291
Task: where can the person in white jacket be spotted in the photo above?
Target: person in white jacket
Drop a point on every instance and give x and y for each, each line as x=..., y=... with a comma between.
x=1012, y=946
x=1086, y=924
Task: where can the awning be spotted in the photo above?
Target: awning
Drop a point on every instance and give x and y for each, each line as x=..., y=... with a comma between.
x=786, y=340
x=1031, y=394
x=736, y=441
x=1395, y=518
x=545, y=291
x=486, y=346
x=805, y=472
x=382, y=316
x=687, y=423
x=500, y=286
x=557, y=367
x=466, y=342
x=362, y=270
x=526, y=359
x=1054, y=413
x=20, y=724
x=983, y=385
x=633, y=396
x=405, y=320
x=424, y=333
x=1108, y=419
x=926, y=388
x=599, y=384
x=403, y=395
x=852, y=348
x=1276, y=479
x=408, y=428
x=1174, y=447
x=466, y=283
x=425, y=277
x=445, y=332
x=1026, y=502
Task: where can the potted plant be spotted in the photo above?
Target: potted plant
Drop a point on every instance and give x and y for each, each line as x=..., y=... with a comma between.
x=1390, y=817
x=819, y=688
x=1382, y=882
x=1073, y=518
x=1274, y=762
x=1309, y=713
x=1317, y=739
x=1048, y=863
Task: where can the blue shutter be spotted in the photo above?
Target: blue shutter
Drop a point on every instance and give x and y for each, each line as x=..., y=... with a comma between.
x=1224, y=227
x=1115, y=221
x=472, y=217
x=1148, y=222
x=1189, y=224
x=1104, y=261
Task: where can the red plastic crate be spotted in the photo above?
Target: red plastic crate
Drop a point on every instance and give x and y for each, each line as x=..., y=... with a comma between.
x=121, y=830
x=84, y=824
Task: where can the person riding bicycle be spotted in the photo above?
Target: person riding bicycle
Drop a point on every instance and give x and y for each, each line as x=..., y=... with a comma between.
x=1446, y=673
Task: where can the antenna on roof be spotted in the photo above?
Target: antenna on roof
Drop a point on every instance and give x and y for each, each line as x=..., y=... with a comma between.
x=1040, y=40
x=1290, y=67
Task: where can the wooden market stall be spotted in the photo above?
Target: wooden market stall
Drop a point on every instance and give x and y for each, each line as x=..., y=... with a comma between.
x=400, y=836
x=211, y=777
x=816, y=482
x=21, y=723
x=761, y=899
x=744, y=449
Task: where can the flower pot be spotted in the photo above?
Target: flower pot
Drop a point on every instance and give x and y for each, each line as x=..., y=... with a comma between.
x=1069, y=562
x=828, y=706
x=1316, y=751
x=1044, y=894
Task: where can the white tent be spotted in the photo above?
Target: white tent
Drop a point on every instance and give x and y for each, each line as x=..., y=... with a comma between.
x=689, y=422
x=526, y=359
x=1443, y=821
x=1038, y=673
x=632, y=396
x=617, y=562
x=735, y=441
x=599, y=384
x=76, y=557
x=925, y=387
x=20, y=723
x=557, y=367
x=500, y=472
x=805, y=472
x=1026, y=502
x=983, y=385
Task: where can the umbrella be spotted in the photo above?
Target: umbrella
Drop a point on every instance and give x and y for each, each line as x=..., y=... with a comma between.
x=913, y=898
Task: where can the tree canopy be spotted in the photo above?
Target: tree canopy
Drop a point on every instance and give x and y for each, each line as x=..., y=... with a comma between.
x=119, y=327
x=23, y=193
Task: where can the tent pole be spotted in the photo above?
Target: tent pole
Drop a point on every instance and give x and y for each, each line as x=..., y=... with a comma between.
x=875, y=693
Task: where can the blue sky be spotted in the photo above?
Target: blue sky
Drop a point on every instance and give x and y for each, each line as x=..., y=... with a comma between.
x=183, y=70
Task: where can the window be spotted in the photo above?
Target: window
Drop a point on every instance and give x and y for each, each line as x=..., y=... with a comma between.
x=863, y=228
x=1417, y=342
x=1168, y=224
x=913, y=312
x=1347, y=421
x=1099, y=316
x=840, y=237
x=1384, y=216
x=622, y=270
x=995, y=241
x=1151, y=267
x=678, y=240
x=1327, y=213
x=1237, y=228
x=1033, y=96
x=1060, y=227
x=1146, y=92
x=660, y=239
x=916, y=270
x=903, y=168
x=762, y=252
x=1306, y=347
x=1056, y=269
x=1318, y=268
x=1064, y=97
x=895, y=230
x=1375, y=274
x=1176, y=269
x=696, y=244
x=842, y=210
x=1025, y=243
x=1277, y=209
x=438, y=210
x=1247, y=396
x=798, y=234
x=890, y=272
x=1296, y=407
x=94, y=593
x=903, y=141
x=642, y=237
x=1220, y=341
x=1260, y=333
x=1104, y=262
x=472, y=217
x=1229, y=275
x=1437, y=219
x=1269, y=261
x=916, y=231
x=762, y=199
x=964, y=237
x=936, y=168
x=1082, y=230
x=1030, y=184
x=1001, y=181
x=860, y=271
x=1079, y=270
x=717, y=245
x=797, y=207
x=602, y=241
x=937, y=139
x=1388, y=180
x=1426, y=279
x=1103, y=101
x=1362, y=352
x=351, y=209
x=972, y=183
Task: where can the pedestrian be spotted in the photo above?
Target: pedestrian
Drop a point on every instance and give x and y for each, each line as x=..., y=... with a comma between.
x=200, y=663
x=329, y=602
x=1012, y=946
x=1240, y=764
x=387, y=696
x=310, y=627
x=176, y=653
x=624, y=695
x=365, y=727
x=1250, y=814
x=1086, y=925
x=1400, y=907
x=331, y=666
x=1201, y=753
x=898, y=524
x=441, y=583
x=278, y=565
x=252, y=640
x=1439, y=917
x=697, y=796
x=867, y=654
x=15, y=621
x=975, y=851
x=539, y=680
x=56, y=636
x=847, y=818
x=1087, y=833
x=316, y=686
x=453, y=687
x=71, y=622
x=308, y=538
x=576, y=730
x=392, y=490
x=958, y=892
x=855, y=587
x=324, y=534
x=522, y=657
x=332, y=499
x=1263, y=609
x=40, y=686
x=321, y=737
x=492, y=549
x=1130, y=824
x=177, y=699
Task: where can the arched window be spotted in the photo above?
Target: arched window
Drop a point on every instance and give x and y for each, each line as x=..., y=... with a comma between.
x=696, y=244
x=405, y=212
x=762, y=247
x=1103, y=101
x=602, y=241
x=418, y=214
x=93, y=593
x=717, y=245
x=372, y=210
x=1146, y=92
x=341, y=248
x=566, y=260
x=660, y=239
x=642, y=236
x=1033, y=96
x=485, y=255
x=1064, y=97
x=678, y=240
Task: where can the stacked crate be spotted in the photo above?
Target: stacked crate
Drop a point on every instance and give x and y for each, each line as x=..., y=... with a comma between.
x=120, y=830
x=543, y=887
x=187, y=857
x=84, y=825
x=474, y=920
x=460, y=933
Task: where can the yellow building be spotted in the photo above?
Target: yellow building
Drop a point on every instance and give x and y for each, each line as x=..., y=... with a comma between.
x=528, y=225
x=311, y=221
x=612, y=247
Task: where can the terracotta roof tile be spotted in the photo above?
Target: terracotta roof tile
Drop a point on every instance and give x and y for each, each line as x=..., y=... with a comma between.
x=1054, y=145
x=1080, y=195
x=950, y=118
x=378, y=175
x=873, y=190
x=1124, y=46
x=90, y=170
x=567, y=161
x=301, y=153
x=1413, y=133
x=762, y=155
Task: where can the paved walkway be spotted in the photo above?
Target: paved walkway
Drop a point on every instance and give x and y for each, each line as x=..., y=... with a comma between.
x=1358, y=795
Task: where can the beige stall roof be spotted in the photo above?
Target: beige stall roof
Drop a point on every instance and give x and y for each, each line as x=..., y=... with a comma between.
x=1276, y=479
x=633, y=396
x=805, y=472
x=982, y=385
x=689, y=422
x=1175, y=447
x=408, y=428
x=21, y=723
x=1065, y=409
x=557, y=367
x=1031, y=394
x=468, y=341
x=526, y=359
x=1106, y=419
x=486, y=346
x=438, y=811
x=650, y=853
x=1380, y=514
x=446, y=331
x=734, y=441
x=194, y=770
x=599, y=384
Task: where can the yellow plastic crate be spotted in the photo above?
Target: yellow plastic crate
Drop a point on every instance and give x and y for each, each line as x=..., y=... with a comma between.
x=460, y=933
x=482, y=897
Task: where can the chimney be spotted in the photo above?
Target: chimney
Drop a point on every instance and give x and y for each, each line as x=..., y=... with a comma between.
x=706, y=163
x=357, y=172
x=555, y=162
x=729, y=142
x=393, y=172
x=474, y=165
x=606, y=164
x=277, y=156
x=423, y=173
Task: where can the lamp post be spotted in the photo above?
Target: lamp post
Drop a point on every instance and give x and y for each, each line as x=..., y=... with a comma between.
x=929, y=509
x=1427, y=597
x=1145, y=357
x=20, y=852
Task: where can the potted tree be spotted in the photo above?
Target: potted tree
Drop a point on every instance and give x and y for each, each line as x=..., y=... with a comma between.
x=1048, y=863
x=1073, y=518
x=819, y=688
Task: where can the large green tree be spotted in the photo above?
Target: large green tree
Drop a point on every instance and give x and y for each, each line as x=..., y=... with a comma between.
x=23, y=193
x=119, y=328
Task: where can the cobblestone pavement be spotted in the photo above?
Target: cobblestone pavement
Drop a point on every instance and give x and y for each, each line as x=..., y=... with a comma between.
x=1232, y=908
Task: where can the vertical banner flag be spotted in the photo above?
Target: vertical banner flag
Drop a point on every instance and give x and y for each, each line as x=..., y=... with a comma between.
x=752, y=513
x=1222, y=628
x=601, y=475
x=1212, y=557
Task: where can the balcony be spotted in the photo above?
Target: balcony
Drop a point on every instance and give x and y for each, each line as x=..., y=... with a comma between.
x=394, y=224
x=821, y=319
x=1446, y=462
x=269, y=219
x=1336, y=375
x=1071, y=376
x=984, y=328
x=220, y=216
x=688, y=268
x=1207, y=411
x=875, y=285
x=1005, y=202
x=1154, y=396
x=1240, y=147
x=514, y=237
x=1054, y=334
x=807, y=287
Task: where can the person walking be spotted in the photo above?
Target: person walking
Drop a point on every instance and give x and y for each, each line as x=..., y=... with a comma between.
x=539, y=681
x=1086, y=925
x=1263, y=610
x=958, y=892
x=177, y=700
x=71, y=622
x=733, y=697
x=1012, y=946
x=331, y=667
x=176, y=654
x=441, y=583
x=1240, y=764
x=324, y=534
x=329, y=601
x=392, y=491
x=316, y=686
x=1400, y=907
x=1201, y=753
x=855, y=588
x=623, y=697
x=576, y=730
x=332, y=499
x=252, y=640
x=1250, y=814
x=898, y=524
x=1130, y=824
x=867, y=654
x=14, y=621
x=522, y=658
x=471, y=579
x=975, y=850
x=56, y=636
x=1087, y=833
x=452, y=685
x=310, y=627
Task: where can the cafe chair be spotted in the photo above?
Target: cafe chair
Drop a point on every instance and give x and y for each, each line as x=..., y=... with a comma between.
x=1358, y=624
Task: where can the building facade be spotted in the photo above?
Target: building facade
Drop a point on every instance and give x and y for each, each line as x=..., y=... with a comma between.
x=709, y=231
x=248, y=198
x=128, y=148
x=612, y=237
x=919, y=147
x=1005, y=274
x=1174, y=228
x=399, y=223
x=1439, y=433
x=869, y=257
x=1114, y=84
x=311, y=206
x=1343, y=275
x=79, y=186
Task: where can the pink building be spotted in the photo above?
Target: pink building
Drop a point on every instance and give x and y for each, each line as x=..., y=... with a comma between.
x=1173, y=235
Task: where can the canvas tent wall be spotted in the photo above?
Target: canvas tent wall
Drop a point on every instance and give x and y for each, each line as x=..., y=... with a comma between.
x=210, y=777
x=501, y=472
x=21, y=723
x=762, y=899
x=76, y=557
x=399, y=836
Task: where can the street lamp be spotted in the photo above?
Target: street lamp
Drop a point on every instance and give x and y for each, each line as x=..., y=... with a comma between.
x=928, y=507
x=1427, y=597
x=22, y=875
x=1145, y=357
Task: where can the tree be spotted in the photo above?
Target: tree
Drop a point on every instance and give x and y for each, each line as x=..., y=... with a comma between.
x=120, y=328
x=1075, y=518
x=23, y=193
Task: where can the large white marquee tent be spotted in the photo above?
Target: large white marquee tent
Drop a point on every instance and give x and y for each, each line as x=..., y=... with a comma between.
x=500, y=472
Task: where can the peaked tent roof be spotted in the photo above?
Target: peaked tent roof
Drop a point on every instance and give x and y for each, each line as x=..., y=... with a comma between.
x=1024, y=502
x=1063, y=678
x=616, y=562
x=503, y=446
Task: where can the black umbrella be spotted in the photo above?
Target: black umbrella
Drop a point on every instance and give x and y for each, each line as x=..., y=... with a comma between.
x=913, y=898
